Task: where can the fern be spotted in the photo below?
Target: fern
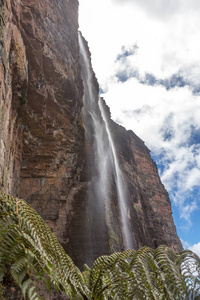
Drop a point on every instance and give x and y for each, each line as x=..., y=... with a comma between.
x=189, y=268
x=148, y=274
x=32, y=252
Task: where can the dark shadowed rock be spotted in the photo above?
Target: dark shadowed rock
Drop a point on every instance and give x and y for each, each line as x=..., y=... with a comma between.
x=42, y=143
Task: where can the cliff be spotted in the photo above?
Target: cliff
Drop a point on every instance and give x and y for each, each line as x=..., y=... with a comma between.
x=147, y=204
x=42, y=136
x=41, y=99
x=149, y=207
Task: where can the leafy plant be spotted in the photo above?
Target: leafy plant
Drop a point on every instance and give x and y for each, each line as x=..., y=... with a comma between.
x=145, y=274
x=29, y=253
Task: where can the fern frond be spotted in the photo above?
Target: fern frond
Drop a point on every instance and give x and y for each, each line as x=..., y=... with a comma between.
x=189, y=268
x=33, y=252
x=173, y=283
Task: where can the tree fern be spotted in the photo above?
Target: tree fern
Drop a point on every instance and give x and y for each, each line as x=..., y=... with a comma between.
x=189, y=268
x=32, y=252
x=148, y=274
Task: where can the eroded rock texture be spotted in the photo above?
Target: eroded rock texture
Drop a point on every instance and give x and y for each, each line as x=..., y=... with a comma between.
x=14, y=80
x=148, y=206
x=42, y=149
x=41, y=98
x=53, y=132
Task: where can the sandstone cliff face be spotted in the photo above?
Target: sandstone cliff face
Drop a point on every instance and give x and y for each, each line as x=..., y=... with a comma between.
x=14, y=78
x=53, y=132
x=42, y=146
x=148, y=207
x=41, y=100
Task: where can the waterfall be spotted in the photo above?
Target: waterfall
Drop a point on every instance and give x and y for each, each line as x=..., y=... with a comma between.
x=121, y=189
x=102, y=157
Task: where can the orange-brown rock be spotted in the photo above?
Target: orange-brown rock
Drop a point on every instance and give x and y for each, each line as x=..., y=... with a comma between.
x=42, y=149
x=148, y=206
x=41, y=132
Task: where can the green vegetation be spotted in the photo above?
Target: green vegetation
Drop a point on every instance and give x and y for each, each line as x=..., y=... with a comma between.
x=81, y=123
x=30, y=253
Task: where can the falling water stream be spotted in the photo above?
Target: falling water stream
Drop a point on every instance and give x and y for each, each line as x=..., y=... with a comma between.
x=102, y=157
x=121, y=190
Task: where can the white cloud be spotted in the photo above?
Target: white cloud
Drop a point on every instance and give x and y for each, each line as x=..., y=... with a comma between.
x=163, y=9
x=191, y=73
x=187, y=210
x=193, y=178
x=166, y=45
x=194, y=248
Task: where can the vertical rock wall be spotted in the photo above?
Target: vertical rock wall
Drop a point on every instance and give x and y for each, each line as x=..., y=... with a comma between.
x=53, y=131
x=41, y=130
x=42, y=150
x=14, y=80
x=148, y=206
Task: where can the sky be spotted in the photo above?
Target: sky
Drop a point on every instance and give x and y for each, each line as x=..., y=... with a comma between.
x=146, y=57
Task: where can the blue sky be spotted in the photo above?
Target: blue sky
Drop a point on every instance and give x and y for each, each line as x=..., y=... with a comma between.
x=146, y=56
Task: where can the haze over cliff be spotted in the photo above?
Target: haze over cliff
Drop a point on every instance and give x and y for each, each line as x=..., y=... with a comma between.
x=45, y=156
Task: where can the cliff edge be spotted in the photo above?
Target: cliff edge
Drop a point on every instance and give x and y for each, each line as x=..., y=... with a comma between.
x=42, y=136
